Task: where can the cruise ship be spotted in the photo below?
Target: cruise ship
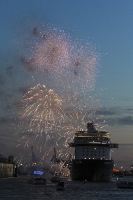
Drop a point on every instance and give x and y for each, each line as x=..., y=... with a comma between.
x=92, y=160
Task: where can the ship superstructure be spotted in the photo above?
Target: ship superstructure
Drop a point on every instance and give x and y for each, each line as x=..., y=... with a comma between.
x=93, y=160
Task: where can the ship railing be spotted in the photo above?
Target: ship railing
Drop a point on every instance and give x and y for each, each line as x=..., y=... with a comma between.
x=92, y=158
x=91, y=138
x=97, y=134
x=91, y=141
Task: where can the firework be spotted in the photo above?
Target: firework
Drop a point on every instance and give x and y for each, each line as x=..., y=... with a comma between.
x=69, y=68
x=71, y=65
x=52, y=54
x=42, y=109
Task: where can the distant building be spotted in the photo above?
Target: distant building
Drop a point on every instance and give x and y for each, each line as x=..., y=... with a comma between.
x=8, y=168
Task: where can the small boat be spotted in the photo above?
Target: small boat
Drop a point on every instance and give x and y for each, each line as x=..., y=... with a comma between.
x=84, y=181
x=37, y=181
x=125, y=184
x=60, y=185
x=55, y=179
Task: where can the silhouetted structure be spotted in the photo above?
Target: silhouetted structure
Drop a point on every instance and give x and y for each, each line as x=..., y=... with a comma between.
x=8, y=168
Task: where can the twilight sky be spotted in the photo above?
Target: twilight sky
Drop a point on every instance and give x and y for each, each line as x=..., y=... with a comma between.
x=106, y=25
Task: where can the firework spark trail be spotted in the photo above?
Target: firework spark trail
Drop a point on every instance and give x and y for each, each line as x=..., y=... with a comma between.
x=43, y=108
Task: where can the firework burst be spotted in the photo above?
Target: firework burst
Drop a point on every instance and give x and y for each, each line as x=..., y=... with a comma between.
x=42, y=110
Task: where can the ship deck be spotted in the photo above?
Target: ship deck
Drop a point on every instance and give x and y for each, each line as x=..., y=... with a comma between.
x=111, y=145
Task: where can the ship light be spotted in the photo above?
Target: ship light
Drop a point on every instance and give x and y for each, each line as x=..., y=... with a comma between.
x=38, y=173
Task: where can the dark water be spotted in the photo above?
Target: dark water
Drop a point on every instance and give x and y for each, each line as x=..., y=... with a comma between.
x=19, y=189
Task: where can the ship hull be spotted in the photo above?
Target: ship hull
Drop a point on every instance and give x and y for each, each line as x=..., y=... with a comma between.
x=92, y=170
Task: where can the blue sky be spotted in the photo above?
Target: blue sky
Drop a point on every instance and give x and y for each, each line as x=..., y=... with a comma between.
x=107, y=25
